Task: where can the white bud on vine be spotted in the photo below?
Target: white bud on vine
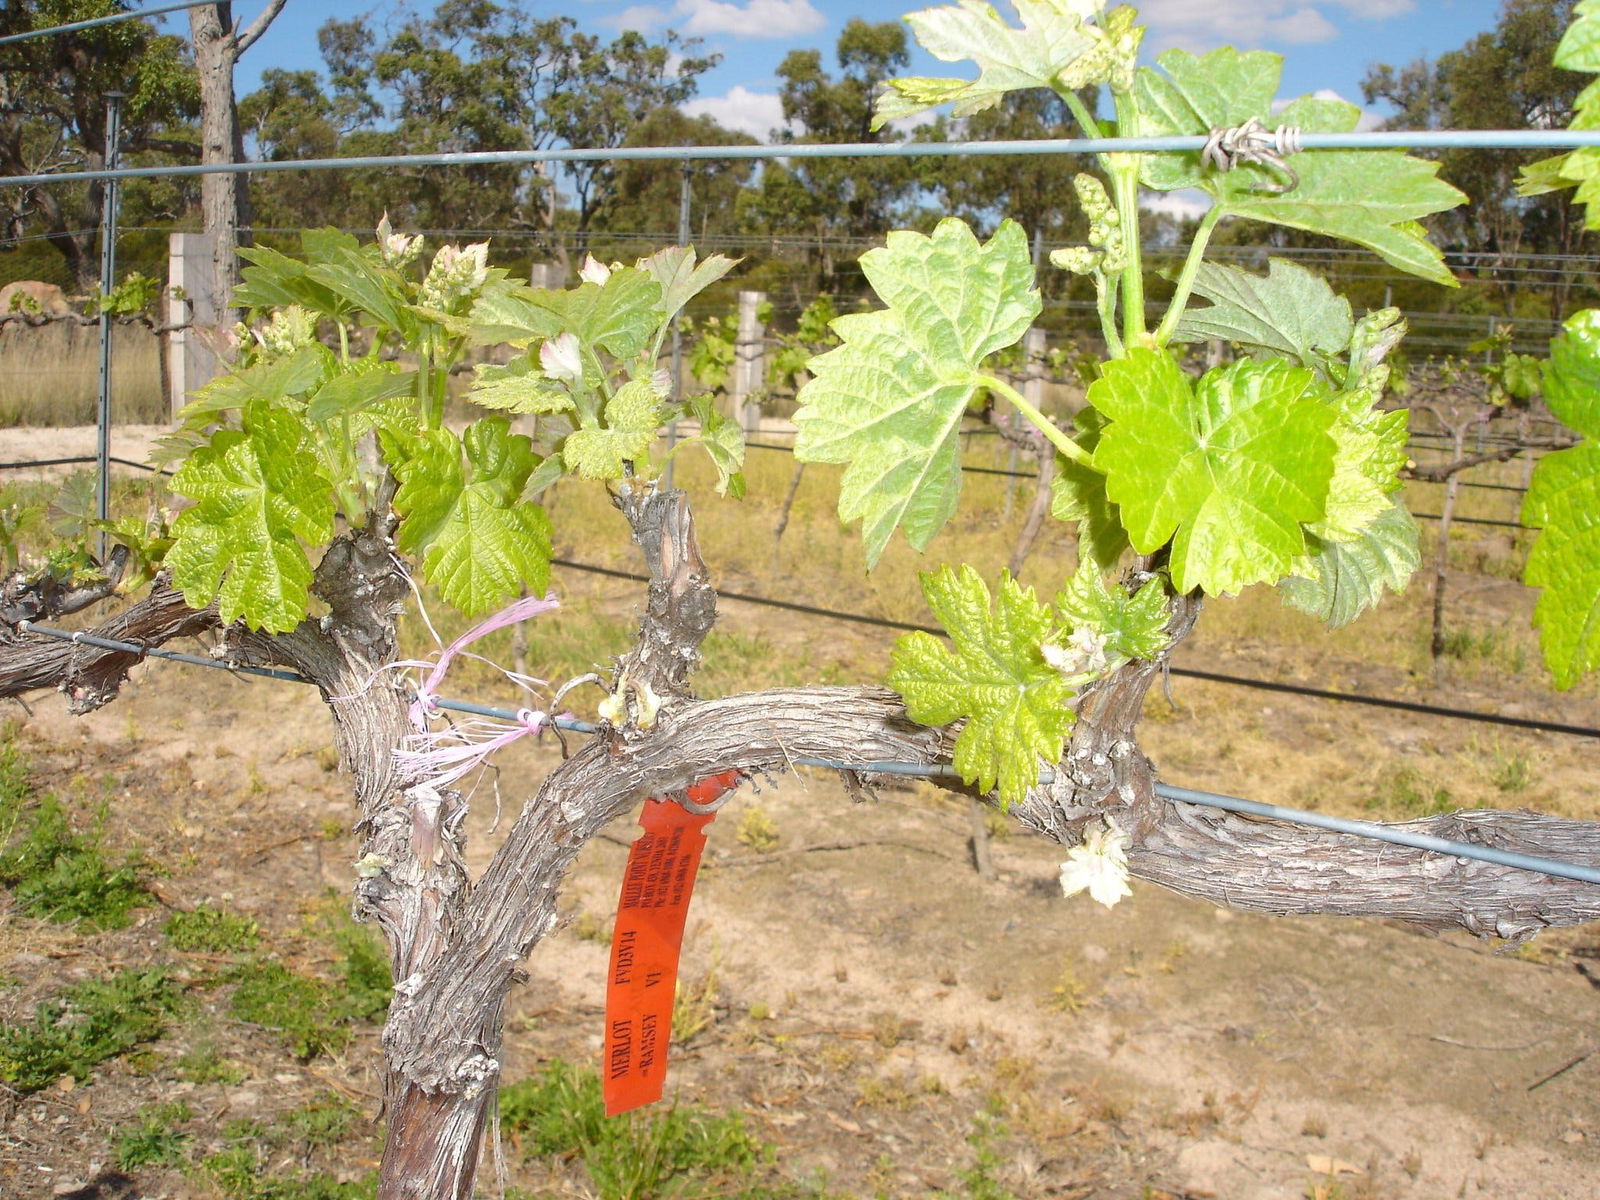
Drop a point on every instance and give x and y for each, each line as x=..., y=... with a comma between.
x=398, y=250
x=1080, y=260
x=559, y=358
x=1099, y=865
x=594, y=271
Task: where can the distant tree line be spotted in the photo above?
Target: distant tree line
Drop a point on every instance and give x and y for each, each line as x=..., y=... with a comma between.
x=477, y=75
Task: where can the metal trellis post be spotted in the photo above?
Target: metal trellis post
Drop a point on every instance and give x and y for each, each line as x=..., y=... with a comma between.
x=108, y=273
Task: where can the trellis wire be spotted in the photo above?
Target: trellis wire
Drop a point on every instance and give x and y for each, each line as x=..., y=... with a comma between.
x=1488, y=139
x=74, y=26
x=1180, y=795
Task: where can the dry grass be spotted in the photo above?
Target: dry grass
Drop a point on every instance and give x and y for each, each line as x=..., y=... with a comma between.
x=50, y=375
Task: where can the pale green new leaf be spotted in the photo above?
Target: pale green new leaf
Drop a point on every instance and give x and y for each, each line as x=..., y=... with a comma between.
x=1563, y=502
x=516, y=316
x=1135, y=627
x=1338, y=582
x=293, y=375
x=1014, y=703
x=1370, y=451
x=1055, y=46
x=620, y=316
x=1289, y=311
x=365, y=385
x=480, y=542
x=519, y=386
x=723, y=440
x=632, y=418
x=1572, y=375
x=889, y=401
x=1373, y=198
x=376, y=290
x=1229, y=470
x=259, y=493
x=1078, y=493
x=1579, y=49
x=681, y=278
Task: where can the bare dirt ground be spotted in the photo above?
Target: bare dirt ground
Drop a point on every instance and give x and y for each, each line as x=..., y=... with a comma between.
x=879, y=1014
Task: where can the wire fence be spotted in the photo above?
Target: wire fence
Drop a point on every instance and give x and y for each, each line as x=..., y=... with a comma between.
x=1371, y=140
x=1393, y=835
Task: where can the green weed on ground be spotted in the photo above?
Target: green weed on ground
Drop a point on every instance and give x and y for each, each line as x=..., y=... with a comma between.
x=240, y=1171
x=679, y=1151
x=212, y=930
x=87, y=1024
x=315, y=1015
x=155, y=1141
x=52, y=870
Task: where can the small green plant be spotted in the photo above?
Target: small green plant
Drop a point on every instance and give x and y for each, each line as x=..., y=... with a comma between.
x=204, y=1064
x=87, y=1024
x=299, y=1007
x=213, y=931
x=154, y=1141
x=322, y=1123
x=57, y=873
x=560, y=1112
x=1513, y=773
x=1402, y=790
x=694, y=1007
x=979, y=1182
x=1068, y=995
x=367, y=984
x=757, y=830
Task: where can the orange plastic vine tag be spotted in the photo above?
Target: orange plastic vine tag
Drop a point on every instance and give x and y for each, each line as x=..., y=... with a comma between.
x=648, y=939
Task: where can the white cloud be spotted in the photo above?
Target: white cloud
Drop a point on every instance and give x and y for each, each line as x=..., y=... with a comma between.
x=744, y=111
x=1367, y=120
x=642, y=18
x=1377, y=10
x=757, y=18
x=1185, y=205
x=1201, y=27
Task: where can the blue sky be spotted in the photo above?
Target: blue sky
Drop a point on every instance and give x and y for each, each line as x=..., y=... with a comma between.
x=1327, y=44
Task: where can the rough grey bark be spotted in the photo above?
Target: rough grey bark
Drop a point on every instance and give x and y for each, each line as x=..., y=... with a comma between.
x=224, y=195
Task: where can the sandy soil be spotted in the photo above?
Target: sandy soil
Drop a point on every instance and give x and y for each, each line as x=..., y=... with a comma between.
x=1163, y=1046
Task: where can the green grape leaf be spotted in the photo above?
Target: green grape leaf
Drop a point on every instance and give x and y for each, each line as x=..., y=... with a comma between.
x=1373, y=337
x=1572, y=374
x=1370, y=451
x=1579, y=48
x=1373, y=198
x=293, y=375
x=367, y=383
x=376, y=290
x=1229, y=470
x=620, y=316
x=275, y=280
x=681, y=278
x=1078, y=493
x=259, y=492
x=1338, y=582
x=632, y=418
x=1015, y=704
x=1055, y=46
x=1133, y=626
x=723, y=439
x=519, y=386
x=1290, y=311
x=890, y=400
x=479, y=540
x=1563, y=503
x=516, y=315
